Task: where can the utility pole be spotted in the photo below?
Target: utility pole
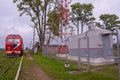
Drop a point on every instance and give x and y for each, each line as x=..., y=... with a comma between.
x=33, y=39
x=78, y=27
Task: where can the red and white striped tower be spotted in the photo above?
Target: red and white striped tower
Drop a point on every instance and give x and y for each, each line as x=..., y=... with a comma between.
x=64, y=17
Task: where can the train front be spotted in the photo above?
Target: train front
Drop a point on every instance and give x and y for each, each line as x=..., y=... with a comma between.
x=14, y=45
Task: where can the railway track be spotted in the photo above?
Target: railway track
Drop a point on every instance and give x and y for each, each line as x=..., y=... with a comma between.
x=2, y=62
x=6, y=64
x=10, y=67
x=19, y=68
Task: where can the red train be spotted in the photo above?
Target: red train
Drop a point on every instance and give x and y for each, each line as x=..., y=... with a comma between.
x=14, y=45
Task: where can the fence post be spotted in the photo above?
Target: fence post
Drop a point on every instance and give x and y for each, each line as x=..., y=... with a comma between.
x=79, y=54
x=88, y=53
x=118, y=52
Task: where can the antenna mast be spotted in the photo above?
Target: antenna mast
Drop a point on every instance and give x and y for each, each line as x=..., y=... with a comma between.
x=64, y=18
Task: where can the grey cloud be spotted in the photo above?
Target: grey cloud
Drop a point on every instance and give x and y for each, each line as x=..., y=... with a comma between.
x=11, y=23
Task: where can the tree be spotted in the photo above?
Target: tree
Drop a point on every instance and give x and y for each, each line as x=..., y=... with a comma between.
x=37, y=10
x=53, y=23
x=110, y=21
x=81, y=13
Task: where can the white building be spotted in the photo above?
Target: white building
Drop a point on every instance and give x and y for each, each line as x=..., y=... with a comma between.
x=97, y=41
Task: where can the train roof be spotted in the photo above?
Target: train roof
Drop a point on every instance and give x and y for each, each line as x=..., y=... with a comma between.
x=13, y=35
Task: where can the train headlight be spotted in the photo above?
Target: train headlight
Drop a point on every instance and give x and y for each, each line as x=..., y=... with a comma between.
x=17, y=48
x=8, y=48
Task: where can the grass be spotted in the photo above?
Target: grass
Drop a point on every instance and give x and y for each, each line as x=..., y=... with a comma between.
x=11, y=73
x=55, y=69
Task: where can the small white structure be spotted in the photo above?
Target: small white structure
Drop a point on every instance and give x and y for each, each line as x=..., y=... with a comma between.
x=97, y=41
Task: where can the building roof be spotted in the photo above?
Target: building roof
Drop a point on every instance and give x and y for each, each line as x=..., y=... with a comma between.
x=94, y=30
x=104, y=31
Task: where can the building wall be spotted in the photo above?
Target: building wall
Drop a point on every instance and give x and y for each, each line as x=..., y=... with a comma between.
x=95, y=44
x=95, y=40
x=93, y=52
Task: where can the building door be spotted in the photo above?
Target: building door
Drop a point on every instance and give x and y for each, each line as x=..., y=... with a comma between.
x=106, y=45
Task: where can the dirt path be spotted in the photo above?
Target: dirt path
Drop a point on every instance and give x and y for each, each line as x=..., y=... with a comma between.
x=31, y=71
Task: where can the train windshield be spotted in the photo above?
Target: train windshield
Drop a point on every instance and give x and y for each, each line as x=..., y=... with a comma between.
x=17, y=40
x=13, y=40
x=10, y=40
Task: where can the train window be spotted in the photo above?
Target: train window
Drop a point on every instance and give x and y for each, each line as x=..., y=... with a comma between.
x=17, y=40
x=10, y=40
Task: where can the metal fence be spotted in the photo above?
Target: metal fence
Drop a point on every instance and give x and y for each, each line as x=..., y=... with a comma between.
x=53, y=50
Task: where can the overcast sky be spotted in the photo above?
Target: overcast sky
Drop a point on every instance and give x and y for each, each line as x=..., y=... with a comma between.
x=11, y=23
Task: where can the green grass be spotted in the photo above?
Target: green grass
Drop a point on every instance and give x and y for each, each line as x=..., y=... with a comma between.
x=11, y=73
x=55, y=69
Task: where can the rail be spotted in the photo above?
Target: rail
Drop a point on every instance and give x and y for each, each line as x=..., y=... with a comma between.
x=18, y=72
x=7, y=67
